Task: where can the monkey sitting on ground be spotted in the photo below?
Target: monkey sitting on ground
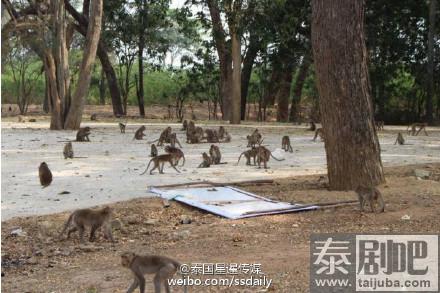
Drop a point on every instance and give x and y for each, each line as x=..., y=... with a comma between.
x=191, y=126
x=263, y=155
x=206, y=161
x=285, y=144
x=400, y=140
x=222, y=133
x=68, y=150
x=184, y=125
x=371, y=195
x=163, y=267
x=94, y=117
x=139, y=134
x=178, y=154
x=44, y=174
x=216, y=156
x=195, y=135
x=159, y=163
x=312, y=126
x=80, y=219
x=319, y=132
x=83, y=134
x=122, y=127
x=422, y=126
x=211, y=136
x=153, y=152
x=252, y=153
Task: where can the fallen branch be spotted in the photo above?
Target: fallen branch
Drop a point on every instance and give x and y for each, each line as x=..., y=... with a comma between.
x=219, y=184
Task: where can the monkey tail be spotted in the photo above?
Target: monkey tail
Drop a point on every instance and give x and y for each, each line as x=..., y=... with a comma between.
x=276, y=158
x=239, y=158
x=183, y=162
x=148, y=166
x=154, y=141
x=66, y=225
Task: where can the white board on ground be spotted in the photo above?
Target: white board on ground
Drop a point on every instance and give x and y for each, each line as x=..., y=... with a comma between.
x=229, y=202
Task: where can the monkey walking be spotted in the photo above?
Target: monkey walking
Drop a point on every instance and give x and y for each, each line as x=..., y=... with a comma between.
x=159, y=163
x=122, y=127
x=153, y=152
x=252, y=153
x=163, y=267
x=263, y=155
x=45, y=174
x=400, y=140
x=95, y=219
x=139, y=134
x=421, y=126
x=285, y=144
x=178, y=154
x=371, y=195
x=319, y=132
x=83, y=134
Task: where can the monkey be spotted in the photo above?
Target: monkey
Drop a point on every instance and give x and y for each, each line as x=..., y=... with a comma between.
x=400, y=140
x=285, y=144
x=312, y=126
x=80, y=219
x=164, y=136
x=373, y=196
x=68, y=150
x=10, y=109
x=254, y=139
x=422, y=126
x=216, y=156
x=178, y=154
x=206, y=161
x=139, y=134
x=222, y=133
x=252, y=153
x=153, y=152
x=94, y=117
x=159, y=163
x=44, y=174
x=163, y=267
x=263, y=155
x=83, y=134
x=174, y=140
x=122, y=127
x=190, y=127
x=227, y=138
x=379, y=125
x=184, y=125
x=211, y=136
x=194, y=136
x=319, y=132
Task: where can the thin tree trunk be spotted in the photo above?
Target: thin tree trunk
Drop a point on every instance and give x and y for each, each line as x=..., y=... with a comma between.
x=102, y=88
x=272, y=87
x=248, y=63
x=298, y=87
x=351, y=143
x=141, y=45
x=430, y=89
x=236, y=78
x=55, y=106
x=284, y=93
x=74, y=116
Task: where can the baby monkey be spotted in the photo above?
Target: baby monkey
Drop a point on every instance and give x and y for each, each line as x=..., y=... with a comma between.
x=400, y=140
x=159, y=163
x=80, y=219
x=285, y=144
x=206, y=161
x=122, y=127
x=371, y=195
x=163, y=267
x=153, y=152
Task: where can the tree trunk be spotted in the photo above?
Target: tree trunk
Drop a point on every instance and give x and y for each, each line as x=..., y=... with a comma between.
x=284, y=93
x=272, y=87
x=248, y=63
x=298, y=87
x=54, y=101
x=102, y=88
x=236, y=78
x=351, y=143
x=74, y=116
x=141, y=45
x=430, y=89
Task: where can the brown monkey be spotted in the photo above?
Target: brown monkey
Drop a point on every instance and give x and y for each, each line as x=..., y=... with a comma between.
x=254, y=139
x=174, y=140
x=190, y=127
x=68, y=150
x=379, y=125
x=252, y=153
x=153, y=152
x=206, y=161
x=216, y=156
x=263, y=155
x=122, y=127
x=211, y=136
x=178, y=154
x=312, y=126
x=400, y=140
x=285, y=144
x=195, y=136
x=222, y=133
x=163, y=267
x=44, y=174
x=319, y=132
x=83, y=134
x=94, y=117
x=184, y=125
x=164, y=136
x=422, y=126
x=80, y=219
x=139, y=134
x=159, y=163
x=371, y=195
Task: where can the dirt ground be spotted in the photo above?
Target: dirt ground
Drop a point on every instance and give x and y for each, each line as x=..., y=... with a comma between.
x=35, y=260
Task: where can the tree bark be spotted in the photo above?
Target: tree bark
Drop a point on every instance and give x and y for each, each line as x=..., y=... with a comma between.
x=236, y=78
x=74, y=116
x=248, y=63
x=340, y=55
x=102, y=88
x=272, y=87
x=298, y=87
x=141, y=46
x=284, y=93
x=430, y=89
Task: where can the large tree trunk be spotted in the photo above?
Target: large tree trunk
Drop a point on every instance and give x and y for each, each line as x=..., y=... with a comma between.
x=248, y=63
x=430, y=89
x=284, y=93
x=74, y=116
x=297, y=90
x=54, y=99
x=236, y=78
x=110, y=74
x=340, y=55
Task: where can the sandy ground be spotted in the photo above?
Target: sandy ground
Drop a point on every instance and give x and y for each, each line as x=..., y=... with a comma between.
x=111, y=171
